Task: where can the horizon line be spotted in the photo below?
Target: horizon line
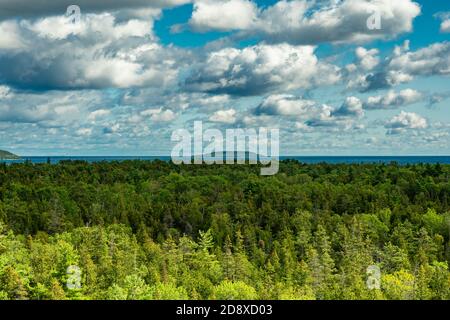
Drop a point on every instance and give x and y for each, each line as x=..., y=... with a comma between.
x=168, y=156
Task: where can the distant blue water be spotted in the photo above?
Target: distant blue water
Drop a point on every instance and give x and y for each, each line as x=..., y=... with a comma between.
x=403, y=160
x=54, y=160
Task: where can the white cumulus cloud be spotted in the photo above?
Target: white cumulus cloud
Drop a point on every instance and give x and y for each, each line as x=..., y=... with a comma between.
x=307, y=22
x=223, y=15
x=260, y=69
x=405, y=121
x=224, y=116
x=393, y=99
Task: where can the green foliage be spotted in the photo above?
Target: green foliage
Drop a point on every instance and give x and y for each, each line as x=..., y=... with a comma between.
x=399, y=286
x=434, y=223
x=228, y=290
x=300, y=293
x=152, y=230
x=167, y=291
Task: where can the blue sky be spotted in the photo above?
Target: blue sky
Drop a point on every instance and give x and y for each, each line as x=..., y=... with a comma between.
x=126, y=74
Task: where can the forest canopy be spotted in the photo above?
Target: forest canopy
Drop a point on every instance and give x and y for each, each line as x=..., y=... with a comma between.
x=154, y=230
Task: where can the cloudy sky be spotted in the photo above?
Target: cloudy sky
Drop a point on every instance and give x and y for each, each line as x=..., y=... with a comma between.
x=118, y=79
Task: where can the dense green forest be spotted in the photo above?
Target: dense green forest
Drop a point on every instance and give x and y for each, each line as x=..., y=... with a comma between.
x=153, y=230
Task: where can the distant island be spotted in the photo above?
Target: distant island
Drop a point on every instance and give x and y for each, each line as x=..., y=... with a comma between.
x=5, y=155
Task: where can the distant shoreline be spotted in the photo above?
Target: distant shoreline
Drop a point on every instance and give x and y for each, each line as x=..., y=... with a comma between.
x=282, y=156
x=8, y=156
x=403, y=160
